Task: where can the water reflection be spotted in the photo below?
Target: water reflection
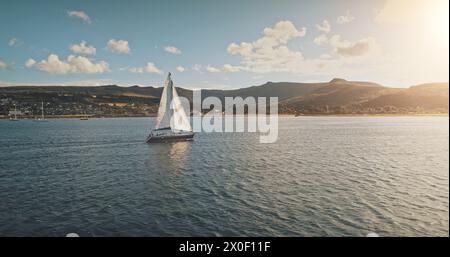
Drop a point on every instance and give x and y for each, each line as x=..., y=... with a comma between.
x=169, y=156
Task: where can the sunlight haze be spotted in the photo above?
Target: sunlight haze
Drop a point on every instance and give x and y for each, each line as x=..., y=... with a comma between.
x=223, y=45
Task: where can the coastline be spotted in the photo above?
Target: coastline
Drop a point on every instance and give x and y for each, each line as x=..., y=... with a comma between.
x=56, y=117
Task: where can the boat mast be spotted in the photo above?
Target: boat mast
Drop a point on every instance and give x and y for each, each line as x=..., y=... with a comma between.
x=15, y=112
x=170, y=98
x=42, y=110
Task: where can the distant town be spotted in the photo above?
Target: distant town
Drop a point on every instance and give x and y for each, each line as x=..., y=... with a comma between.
x=337, y=97
x=10, y=107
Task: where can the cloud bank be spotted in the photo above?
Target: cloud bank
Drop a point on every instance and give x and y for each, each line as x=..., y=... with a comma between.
x=72, y=64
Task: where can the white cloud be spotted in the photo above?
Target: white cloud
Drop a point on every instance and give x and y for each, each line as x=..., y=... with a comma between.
x=269, y=53
x=343, y=19
x=136, y=70
x=230, y=68
x=172, y=50
x=282, y=32
x=320, y=40
x=151, y=68
x=345, y=48
x=80, y=14
x=3, y=65
x=225, y=68
x=197, y=67
x=212, y=69
x=325, y=27
x=359, y=48
x=54, y=66
x=84, y=65
x=180, y=69
x=72, y=64
x=337, y=41
x=83, y=48
x=274, y=55
x=15, y=42
x=118, y=46
x=273, y=37
x=242, y=49
x=148, y=68
x=30, y=62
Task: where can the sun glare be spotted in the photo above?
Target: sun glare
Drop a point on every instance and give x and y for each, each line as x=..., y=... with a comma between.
x=437, y=22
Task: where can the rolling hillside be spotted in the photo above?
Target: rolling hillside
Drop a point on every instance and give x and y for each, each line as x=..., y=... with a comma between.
x=335, y=97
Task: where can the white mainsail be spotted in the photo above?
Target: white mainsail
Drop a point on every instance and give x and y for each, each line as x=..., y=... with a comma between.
x=171, y=113
x=164, y=111
x=180, y=120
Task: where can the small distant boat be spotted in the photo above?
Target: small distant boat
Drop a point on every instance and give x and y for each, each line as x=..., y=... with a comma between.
x=42, y=118
x=85, y=117
x=180, y=129
x=15, y=115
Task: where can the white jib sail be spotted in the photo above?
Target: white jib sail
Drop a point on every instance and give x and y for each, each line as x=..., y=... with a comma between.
x=180, y=120
x=164, y=110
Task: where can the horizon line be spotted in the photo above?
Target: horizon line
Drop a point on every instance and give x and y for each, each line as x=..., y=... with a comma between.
x=104, y=82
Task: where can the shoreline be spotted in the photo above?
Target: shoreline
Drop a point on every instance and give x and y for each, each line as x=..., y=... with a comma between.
x=56, y=117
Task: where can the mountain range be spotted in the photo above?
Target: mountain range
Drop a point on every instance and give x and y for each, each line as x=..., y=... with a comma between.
x=337, y=96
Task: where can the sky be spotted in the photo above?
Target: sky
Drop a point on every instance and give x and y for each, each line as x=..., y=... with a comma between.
x=222, y=44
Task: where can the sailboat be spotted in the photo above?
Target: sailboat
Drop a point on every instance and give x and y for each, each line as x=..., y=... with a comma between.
x=15, y=114
x=42, y=118
x=172, y=123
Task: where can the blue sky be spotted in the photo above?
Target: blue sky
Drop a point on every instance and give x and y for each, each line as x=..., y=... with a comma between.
x=215, y=44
